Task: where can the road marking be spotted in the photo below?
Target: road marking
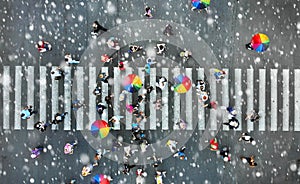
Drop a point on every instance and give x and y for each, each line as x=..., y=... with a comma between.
x=67, y=97
x=43, y=93
x=225, y=96
x=30, y=93
x=164, y=101
x=250, y=100
x=152, y=99
x=116, y=93
x=285, y=103
x=141, y=74
x=176, y=104
x=18, y=99
x=201, y=113
x=188, y=102
x=238, y=96
x=273, y=99
x=213, y=90
x=128, y=101
x=54, y=98
x=6, y=99
x=92, y=97
x=80, y=96
x=262, y=99
x=104, y=94
x=297, y=100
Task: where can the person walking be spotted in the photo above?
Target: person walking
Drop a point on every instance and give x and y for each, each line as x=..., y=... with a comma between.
x=134, y=48
x=250, y=160
x=180, y=153
x=57, y=73
x=225, y=154
x=219, y=74
x=115, y=120
x=76, y=104
x=108, y=100
x=100, y=108
x=69, y=60
x=168, y=31
x=43, y=46
x=104, y=77
x=36, y=151
x=59, y=117
x=69, y=147
x=127, y=168
x=172, y=145
x=247, y=138
x=87, y=169
x=140, y=176
x=27, y=112
x=233, y=123
x=96, y=29
x=253, y=116
x=148, y=12
x=161, y=47
x=41, y=126
x=214, y=145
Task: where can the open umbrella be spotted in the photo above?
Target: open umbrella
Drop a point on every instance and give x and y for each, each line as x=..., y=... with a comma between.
x=101, y=128
x=100, y=179
x=182, y=83
x=132, y=83
x=200, y=4
x=260, y=42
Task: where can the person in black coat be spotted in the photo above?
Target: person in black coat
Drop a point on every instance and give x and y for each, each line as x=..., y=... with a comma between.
x=97, y=28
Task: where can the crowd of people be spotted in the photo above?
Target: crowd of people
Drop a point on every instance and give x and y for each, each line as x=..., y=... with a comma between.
x=139, y=136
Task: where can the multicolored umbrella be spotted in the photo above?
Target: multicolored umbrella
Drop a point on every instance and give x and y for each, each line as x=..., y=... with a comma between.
x=100, y=179
x=132, y=83
x=182, y=83
x=200, y=4
x=260, y=42
x=100, y=127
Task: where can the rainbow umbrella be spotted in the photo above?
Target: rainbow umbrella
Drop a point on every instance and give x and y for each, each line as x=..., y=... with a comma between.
x=132, y=83
x=182, y=83
x=100, y=127
x=200, y=4
x=260, y=42
x=100, y=179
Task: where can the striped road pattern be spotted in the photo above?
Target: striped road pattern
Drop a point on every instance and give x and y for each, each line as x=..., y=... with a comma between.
x=268, y=91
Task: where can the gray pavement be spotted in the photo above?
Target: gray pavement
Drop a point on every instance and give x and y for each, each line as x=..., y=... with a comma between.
x=226, y=27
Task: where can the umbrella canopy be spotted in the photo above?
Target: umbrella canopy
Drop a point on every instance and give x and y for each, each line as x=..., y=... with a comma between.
x=260, y=42
x=100, y=179
x=101, y=128
x=182, y=83
x=132, y=83
x=200, y=4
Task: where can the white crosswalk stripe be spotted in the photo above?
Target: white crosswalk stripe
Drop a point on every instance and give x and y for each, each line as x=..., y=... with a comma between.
x=225, y=95
x=297, y=100
x=262, y=99
x=238, y=95
x=242, y=87
x=18, y=90
x=249, y=93
x=274, y=109
x=128, y=101
x=67, y=98
x=165, y=107
x=285, y=103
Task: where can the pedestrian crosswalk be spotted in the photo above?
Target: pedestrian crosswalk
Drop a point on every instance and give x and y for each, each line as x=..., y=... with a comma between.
x=273, y=92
